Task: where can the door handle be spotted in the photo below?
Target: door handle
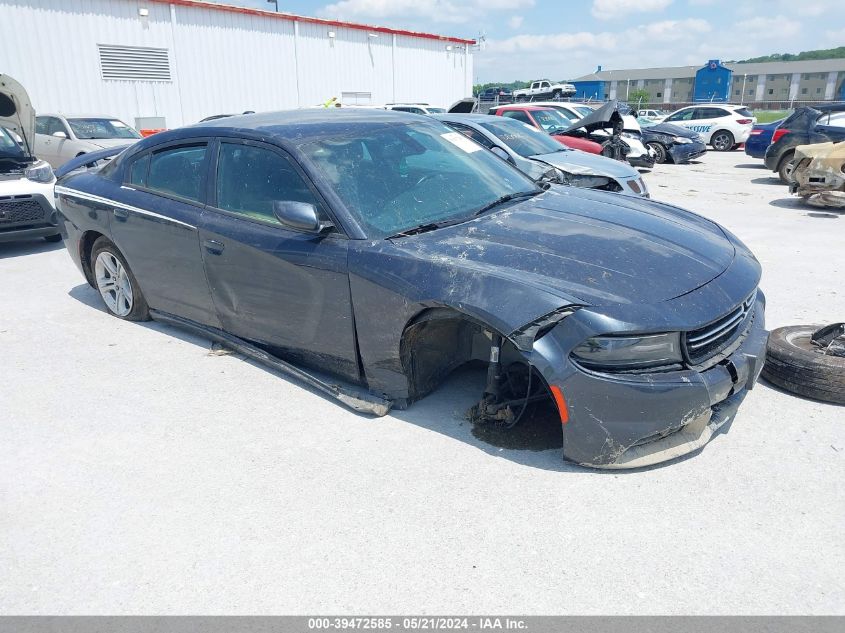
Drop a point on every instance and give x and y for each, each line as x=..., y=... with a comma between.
x=213, y=246
x=121, y=214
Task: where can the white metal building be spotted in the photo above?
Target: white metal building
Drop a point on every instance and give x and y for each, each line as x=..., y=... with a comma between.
x=184, y=60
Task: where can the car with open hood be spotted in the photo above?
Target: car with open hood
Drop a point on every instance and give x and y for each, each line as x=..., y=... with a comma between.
x=59, y=138
x=542, y=158
x=26, y=183
x=370, y=253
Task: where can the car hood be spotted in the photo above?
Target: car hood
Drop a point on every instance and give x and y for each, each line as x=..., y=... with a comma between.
x=605, y=117
x=585, y=246
x=671, y=129
x=16, y=111
x=583, y=163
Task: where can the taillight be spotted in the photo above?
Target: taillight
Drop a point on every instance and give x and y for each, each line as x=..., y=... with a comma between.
x=744, y=121
x=779, y=133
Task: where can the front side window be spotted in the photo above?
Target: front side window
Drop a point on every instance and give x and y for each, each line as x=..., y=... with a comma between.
x=178, y=171
x=397, y=177
x=94, y=128
x=250, y=179
x=41, y=125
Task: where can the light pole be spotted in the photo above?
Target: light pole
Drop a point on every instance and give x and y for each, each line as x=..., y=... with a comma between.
x=742, y=94
x=274, y=3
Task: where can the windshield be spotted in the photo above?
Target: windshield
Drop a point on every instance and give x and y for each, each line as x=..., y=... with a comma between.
x=397, y=177
x=551, y=120
x=101, y=129
x=436, y=110
x=524, y=139
x=9, y=147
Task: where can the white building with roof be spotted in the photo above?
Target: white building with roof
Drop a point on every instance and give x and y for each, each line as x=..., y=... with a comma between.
x=166, y=63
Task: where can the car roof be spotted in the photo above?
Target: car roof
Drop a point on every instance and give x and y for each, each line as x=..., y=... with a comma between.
x=529, y=108
x=465, y=118
x=289, y=126
x=89, y=115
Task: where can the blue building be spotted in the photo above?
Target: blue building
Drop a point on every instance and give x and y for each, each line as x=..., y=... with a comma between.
x=713, y=82
x=589, y=90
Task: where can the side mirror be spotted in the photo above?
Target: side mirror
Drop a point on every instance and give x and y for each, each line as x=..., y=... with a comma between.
x=59, y=134
x=301, y=216
x=498, y=151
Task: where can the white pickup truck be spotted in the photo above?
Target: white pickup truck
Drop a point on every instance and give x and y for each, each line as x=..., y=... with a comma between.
x=544, y=89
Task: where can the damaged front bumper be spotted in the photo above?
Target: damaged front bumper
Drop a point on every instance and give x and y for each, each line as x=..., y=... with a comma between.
x=683, y=152
x=618, y=421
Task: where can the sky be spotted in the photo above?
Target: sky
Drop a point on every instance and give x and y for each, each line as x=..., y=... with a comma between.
x=562, y=39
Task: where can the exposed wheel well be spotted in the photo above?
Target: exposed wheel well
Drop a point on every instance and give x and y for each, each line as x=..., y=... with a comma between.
x=86, y=243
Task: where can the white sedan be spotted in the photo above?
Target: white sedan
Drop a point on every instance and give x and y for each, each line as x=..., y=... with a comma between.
x=722, y=126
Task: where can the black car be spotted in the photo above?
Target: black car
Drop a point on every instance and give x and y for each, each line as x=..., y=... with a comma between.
x=672, y=142
x=504, y=95
x=386, y=250
x=807, y=125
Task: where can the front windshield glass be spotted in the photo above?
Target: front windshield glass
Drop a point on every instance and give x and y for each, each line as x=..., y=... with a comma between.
x=397, y=177
x=101, y=128
x=524, y=139
x=551, y=120
x=8, y=146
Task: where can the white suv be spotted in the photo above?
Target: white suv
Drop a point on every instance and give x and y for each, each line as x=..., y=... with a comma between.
x=26, y=183
x=722, y=126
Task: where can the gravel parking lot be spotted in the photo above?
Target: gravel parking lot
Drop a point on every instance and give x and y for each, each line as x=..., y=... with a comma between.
x=141, y=474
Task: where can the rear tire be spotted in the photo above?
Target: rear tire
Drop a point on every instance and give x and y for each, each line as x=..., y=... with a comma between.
x=660, y=154
x=793, y=364
x=116, y=284
x=785, y=168
x=722, y=141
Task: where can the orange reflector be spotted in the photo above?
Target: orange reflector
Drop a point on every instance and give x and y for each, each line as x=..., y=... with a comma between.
x=557, y=394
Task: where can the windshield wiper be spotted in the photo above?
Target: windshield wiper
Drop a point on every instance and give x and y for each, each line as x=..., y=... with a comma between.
x=425, y=228
x=506, y=198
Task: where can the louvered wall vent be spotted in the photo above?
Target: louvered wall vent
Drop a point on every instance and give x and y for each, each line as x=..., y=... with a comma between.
x=134, y=63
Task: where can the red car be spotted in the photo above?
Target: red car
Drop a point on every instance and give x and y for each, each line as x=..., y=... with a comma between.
x=550, y=121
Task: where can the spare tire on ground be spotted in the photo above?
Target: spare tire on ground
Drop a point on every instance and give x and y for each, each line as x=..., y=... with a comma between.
x=795, y=364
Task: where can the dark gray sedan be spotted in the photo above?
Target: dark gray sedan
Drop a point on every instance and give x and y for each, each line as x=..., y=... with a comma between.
x=371, y=253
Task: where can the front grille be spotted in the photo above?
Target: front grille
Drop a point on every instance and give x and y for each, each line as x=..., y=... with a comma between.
x=17, y=209
x=704, y=343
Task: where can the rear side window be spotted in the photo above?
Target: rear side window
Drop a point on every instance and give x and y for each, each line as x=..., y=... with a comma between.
x=474, y=134
x=250, y=179
x=138, y=171
x=518, y=115
x=178, y=171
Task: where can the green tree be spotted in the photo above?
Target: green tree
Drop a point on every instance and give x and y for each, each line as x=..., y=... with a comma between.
x=639, y=96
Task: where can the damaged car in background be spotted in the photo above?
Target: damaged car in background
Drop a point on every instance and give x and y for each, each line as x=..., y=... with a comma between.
x=370, y=254
x=672, y=143
x=818, y=174
x=542, y=158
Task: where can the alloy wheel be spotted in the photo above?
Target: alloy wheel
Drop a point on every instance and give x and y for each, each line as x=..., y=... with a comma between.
x=113, y=283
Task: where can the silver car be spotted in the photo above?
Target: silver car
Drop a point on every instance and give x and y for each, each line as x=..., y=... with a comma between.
x=58, y=138
x=542, y=158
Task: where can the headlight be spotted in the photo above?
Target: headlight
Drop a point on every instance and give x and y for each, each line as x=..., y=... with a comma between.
x=588, y=182
x=630, y=135
x=630, y=352
x=40, y=172
x=681, y=139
